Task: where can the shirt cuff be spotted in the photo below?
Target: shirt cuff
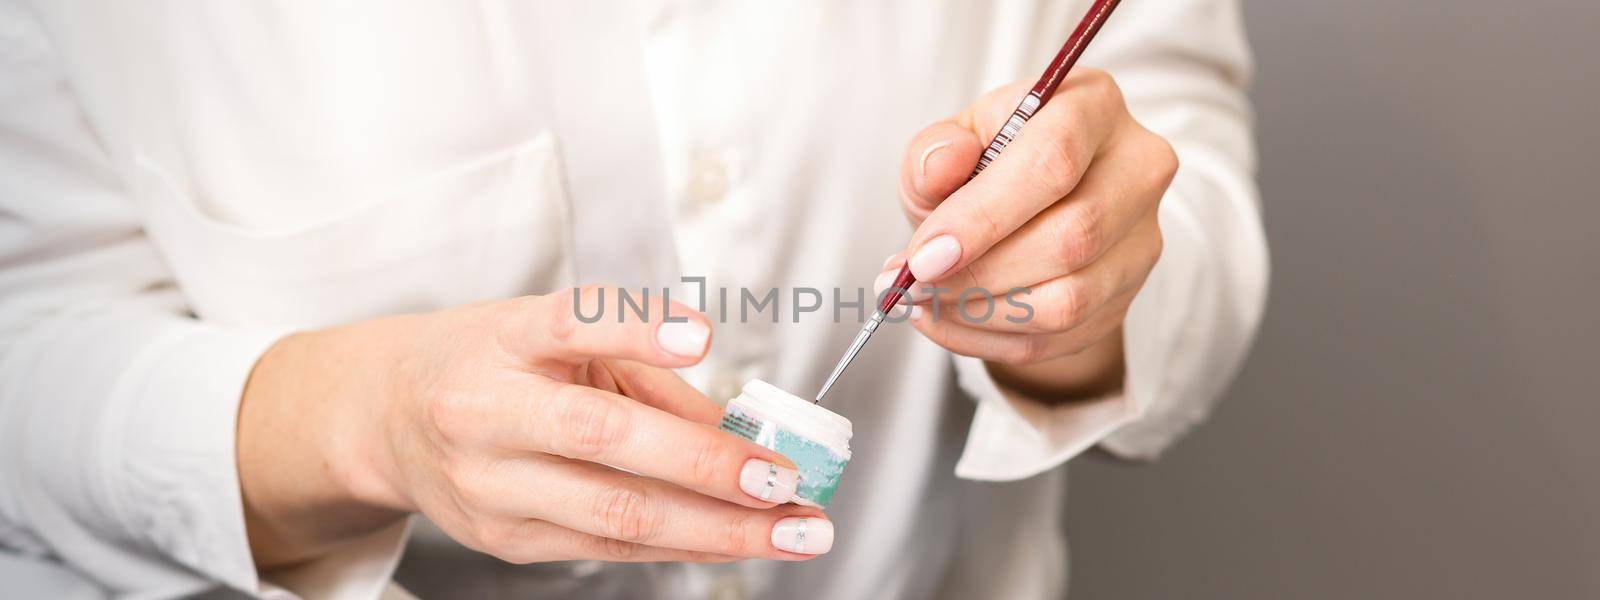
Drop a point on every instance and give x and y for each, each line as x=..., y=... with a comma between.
x=170, y=449
x=181, y=479
x=1014, y=437
x=361, y=569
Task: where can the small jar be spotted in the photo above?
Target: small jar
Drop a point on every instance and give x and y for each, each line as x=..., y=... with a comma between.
x=815, y=438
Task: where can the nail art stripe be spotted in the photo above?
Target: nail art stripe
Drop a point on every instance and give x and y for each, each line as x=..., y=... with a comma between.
x=772, y=481
x=818, y=467
x=800, y=538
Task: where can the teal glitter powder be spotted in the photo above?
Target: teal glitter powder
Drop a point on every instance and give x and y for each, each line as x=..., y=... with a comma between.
x=820, y=467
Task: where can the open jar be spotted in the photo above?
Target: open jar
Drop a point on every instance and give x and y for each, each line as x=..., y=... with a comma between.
x=815, y=438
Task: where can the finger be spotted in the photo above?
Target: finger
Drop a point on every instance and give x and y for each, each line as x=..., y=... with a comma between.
x=587, y=424
x=662, y=389
x=1021, y=348
x=936, y=163
x=1119, y=193
x=605, y=502
x=1041, y=165
x=524, y=541
x=606, y=322
x=1059, y=304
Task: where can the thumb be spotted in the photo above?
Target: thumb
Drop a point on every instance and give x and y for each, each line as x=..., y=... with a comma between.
x=936, y=164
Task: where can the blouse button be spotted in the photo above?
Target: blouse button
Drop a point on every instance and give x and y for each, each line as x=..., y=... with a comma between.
x=708, y=178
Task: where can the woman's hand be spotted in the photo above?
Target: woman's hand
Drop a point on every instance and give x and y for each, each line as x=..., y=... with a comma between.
x=1067, y=212
x=520, y=430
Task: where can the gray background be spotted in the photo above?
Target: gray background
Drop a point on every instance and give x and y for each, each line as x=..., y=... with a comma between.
x=1420, y=417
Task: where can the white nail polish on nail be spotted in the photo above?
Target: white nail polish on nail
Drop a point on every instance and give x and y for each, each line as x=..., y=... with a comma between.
x=935, y=257
x=683, y=339
x=803, y=535
x=768, y=481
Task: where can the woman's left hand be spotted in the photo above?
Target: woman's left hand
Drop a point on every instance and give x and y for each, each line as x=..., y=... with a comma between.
x=1068, y=213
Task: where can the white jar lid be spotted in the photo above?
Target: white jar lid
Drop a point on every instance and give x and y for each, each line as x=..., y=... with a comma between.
x=801, y=416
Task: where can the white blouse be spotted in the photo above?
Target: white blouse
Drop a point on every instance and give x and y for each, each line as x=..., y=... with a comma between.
x=181, y=183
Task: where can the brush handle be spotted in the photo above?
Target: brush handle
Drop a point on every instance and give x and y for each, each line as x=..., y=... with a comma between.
x=1030, y=105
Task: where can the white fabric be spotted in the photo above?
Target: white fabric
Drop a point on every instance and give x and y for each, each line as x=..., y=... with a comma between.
x=181, y=183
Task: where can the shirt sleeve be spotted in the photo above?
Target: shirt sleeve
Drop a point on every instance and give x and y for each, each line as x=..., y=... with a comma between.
x=1183, y=67
x=117, y=406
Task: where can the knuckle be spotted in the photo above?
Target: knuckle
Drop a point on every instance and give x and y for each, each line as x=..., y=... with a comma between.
x=736, y=538
x=710, y=460
x=1105, y=87
x=524, y=541
x=499, y=544
x=469, y=484
x=626, y=513
x=561, y=320
x=590, y=425
x=1079, y=235
x=1056, y=164
x=1069, y=307
x=1165, y=158
x=510, y=542
x=1158, y=245
x=447, y=414
x=1025, y=351
x=1093, y=76
x=492, y=538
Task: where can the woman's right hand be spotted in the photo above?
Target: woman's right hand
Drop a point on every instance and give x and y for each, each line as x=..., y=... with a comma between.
x=520, y=430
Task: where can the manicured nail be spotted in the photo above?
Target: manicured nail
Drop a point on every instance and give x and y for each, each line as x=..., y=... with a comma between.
x=917, y=312
x=922, y=164
x=768, y=481
x=935, y=257
x=684, y=339
x=893, y=262
x=803, y=535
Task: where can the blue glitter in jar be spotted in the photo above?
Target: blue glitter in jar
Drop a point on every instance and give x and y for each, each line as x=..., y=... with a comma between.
x=815, y=438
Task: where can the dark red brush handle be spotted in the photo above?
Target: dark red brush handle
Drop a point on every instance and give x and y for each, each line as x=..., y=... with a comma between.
x=1040, y=94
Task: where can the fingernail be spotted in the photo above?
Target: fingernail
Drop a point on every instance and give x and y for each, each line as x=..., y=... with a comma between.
x=768, y=481
x=803, y=535
x=917, y=312
x=935, y=257
x=882, y=282
x=683, y=339
x=922, y=163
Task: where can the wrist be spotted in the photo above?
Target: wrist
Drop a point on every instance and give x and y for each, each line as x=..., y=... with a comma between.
x=364, y=363
x=305, y=446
